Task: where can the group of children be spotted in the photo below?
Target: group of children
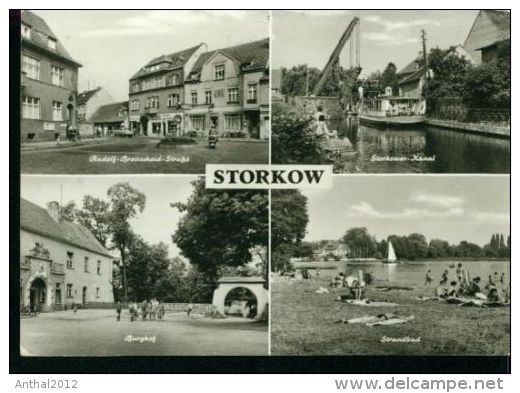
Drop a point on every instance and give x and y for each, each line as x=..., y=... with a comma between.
x=150, y=310
x=494, y=290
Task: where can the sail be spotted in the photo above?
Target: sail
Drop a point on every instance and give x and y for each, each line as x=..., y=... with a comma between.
x=391, y=253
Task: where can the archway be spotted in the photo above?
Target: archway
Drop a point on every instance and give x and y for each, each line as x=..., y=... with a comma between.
x=227, y=285
x=38, y=295
x=84, y=296
x=241, y=302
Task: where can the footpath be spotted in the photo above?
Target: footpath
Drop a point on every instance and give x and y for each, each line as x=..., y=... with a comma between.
x=61, y=144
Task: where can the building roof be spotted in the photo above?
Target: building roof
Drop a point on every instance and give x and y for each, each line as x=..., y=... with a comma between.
x=36, y=219
x=251, y=55
x=40, y=33
x=241, y=280
x=411, y=67
x=412, y=77
x=501, y=19
x=172, y=61
x=110, y=113
x=495, y=43
x=83, y=97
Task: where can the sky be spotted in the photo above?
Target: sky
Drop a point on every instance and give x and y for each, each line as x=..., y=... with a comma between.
x=157, y=222
x=452, y=208
x=309, y=37
x=113, y=45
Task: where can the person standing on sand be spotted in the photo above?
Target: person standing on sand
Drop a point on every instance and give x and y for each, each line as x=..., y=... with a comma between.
x=460, y=273
x=429, y=278
x=118, y=310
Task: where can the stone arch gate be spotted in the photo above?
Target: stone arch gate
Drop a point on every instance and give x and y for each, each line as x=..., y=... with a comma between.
x=254, y=284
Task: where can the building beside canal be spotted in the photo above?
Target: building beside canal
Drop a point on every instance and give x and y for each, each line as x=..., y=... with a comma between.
x=156, y=93
x=111, y=117
x=61, y=262
x=228, y=89
x=49, y=80
x=88, y=102
x=490, y=31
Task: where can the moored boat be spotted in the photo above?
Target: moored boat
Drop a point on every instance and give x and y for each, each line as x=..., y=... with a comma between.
x=391, y=257
x=393, y=111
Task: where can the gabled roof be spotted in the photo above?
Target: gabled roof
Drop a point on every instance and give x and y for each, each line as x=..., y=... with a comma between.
x=501, y=19
x=172, y=61
x=413, y=77
x=410, y=68
x=251, y=55
x=36, y=219
x=110, y=113
x=40, y=33
x=83, y=97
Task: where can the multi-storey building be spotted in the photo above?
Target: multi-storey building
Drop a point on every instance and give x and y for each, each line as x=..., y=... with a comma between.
x=48, y=83
x=111, y=117
x=61, y=262
x=228, y=89
x=88, y=102
x=156, y=93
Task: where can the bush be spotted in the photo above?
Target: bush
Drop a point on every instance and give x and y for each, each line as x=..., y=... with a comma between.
x=176, y=140
x=237, y=134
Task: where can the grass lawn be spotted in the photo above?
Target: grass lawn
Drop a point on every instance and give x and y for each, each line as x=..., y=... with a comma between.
x=116, y=155
x=302, y=323
x=97, y=333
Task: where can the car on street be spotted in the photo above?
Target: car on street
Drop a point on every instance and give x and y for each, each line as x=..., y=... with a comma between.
x=124, y=132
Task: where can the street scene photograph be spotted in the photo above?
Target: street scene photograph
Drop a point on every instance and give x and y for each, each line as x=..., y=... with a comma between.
x=119, y=267
x=392, y=91
x=392, y=265
x=114, y=91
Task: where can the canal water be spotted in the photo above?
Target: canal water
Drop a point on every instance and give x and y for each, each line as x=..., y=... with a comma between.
x=410, y=273
x=420, y=150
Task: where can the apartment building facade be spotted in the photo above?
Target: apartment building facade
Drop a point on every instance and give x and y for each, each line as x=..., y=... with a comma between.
x=49, y=78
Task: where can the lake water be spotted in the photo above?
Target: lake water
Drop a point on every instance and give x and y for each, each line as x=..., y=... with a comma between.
x=407, y=273
x=448, y=151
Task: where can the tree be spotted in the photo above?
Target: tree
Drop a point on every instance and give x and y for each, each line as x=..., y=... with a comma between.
x=221, y=227
x=450, y=72
x=95, y=216
x=360, y=243
x=289, y=219
x=389, y=78
x=301, y=79
x=417, y=246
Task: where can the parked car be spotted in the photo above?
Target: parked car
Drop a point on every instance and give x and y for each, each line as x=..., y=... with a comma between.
x=124, y=132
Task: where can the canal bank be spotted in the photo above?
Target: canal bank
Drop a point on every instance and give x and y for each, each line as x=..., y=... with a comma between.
x=481, y=129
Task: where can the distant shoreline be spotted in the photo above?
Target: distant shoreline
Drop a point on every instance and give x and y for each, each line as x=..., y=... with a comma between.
x=302, y=264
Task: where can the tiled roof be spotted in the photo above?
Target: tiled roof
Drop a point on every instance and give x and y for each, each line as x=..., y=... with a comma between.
x=109, y=113
x=410, y=68
x=40, y=33
x=501, y=19
x=174, y=60
x=251, y=55
x=36, y=219
x=412, y=77
x=86, y=95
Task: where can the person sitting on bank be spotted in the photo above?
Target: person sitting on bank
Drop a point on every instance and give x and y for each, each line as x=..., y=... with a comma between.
x=453, y=289
x=496, y=295
x=321, y=125
x=474, y=287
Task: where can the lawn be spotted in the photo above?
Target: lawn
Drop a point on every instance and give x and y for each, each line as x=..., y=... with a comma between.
x=303, y=323
x=97, y=333
x=140, y=155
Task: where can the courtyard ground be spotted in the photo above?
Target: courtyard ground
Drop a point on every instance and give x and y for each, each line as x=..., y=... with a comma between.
x=140, y=155
x=97, y=333
x=303, y=323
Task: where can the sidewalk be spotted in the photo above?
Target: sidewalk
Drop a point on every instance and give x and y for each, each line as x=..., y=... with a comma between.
x=65, y=143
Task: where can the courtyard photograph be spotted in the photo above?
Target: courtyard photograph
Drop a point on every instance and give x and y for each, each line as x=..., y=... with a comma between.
x=121, y=268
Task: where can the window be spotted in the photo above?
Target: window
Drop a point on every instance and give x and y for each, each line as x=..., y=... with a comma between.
x=30, y=107
x=134, y=105
x=232, y=122
x=251, y=92
x=70, y=264
x=173, y=100
x=153, y=83
x=69, y=290
x=173, y=80
x=233, y=95
x=31, y=67
x=97, y=292
x=85, y=265
x=57, y=75
x=51, y=43
x=152, y=102
x=219, y=72
x=197, y=123
x=193, y=98
x=135, y=87
x=56, y=111
x=98, y=269
x=208, y=97
x=26, y=31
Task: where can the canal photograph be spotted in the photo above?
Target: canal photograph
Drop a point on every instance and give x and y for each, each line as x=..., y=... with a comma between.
x=392, y=91
x=392, y=265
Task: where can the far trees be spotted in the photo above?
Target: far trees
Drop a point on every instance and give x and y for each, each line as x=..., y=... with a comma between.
x=360, y=243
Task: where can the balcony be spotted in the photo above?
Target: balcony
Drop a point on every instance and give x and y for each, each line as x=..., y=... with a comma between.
x=151, y=110
x=252, y=100
x=57, y=268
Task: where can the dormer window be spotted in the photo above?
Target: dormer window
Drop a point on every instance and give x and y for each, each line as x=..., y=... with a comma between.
x=26, y=31
x=155, y=67
x=219, y=72
x=51, y=43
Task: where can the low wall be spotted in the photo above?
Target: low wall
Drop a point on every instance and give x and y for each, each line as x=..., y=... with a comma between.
x=483, y=129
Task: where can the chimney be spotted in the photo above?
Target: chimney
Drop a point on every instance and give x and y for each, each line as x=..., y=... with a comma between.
x=53, y=208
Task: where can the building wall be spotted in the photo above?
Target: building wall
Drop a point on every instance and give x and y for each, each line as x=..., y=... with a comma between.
x=76, y=276
x=100, y=98
x=45, y=128
x=484, y=32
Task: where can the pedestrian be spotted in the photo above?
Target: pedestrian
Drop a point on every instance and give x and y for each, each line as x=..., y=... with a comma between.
x=118, y=310
x=429, y=278
x=503, y=279
x=460, y=273
x=144, y=310
x=190, y=309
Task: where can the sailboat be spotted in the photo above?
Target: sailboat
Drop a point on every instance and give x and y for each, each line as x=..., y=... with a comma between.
x=390, y=256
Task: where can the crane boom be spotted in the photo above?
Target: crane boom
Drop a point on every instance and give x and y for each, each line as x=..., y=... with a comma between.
x=334, y=57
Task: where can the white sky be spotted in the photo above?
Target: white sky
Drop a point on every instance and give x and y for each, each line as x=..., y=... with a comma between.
x=452, y=208
x=113, y=45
